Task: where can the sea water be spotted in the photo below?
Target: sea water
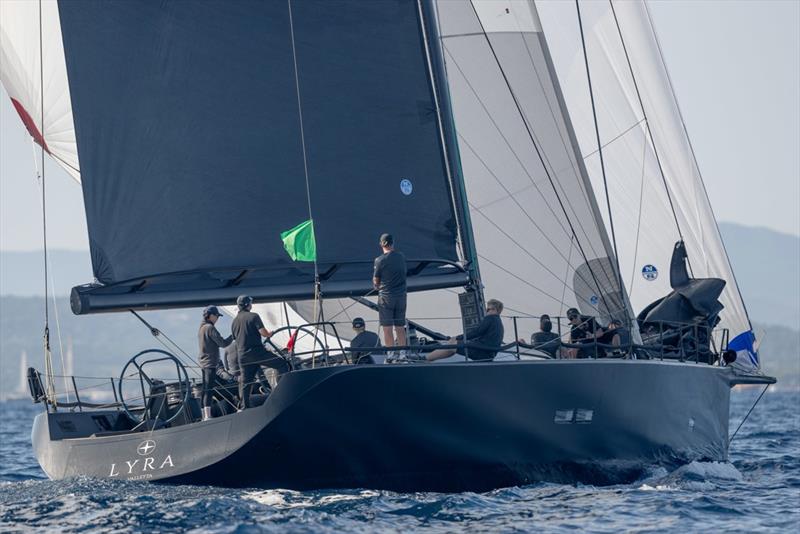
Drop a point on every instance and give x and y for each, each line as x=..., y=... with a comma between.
x=758, y=490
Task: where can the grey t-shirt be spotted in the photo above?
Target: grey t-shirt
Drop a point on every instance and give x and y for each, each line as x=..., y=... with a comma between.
x=390, y=269
x=210, y=342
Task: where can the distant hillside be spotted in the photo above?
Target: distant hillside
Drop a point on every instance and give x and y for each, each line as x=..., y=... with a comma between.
x=101, y=343
x=766, y=263
x=767, y=267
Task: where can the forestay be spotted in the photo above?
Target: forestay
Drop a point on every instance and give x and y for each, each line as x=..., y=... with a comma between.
x=656, y=189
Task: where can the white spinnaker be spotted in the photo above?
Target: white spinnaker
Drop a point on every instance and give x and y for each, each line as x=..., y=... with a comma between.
x=21, y=75
x=646, y=228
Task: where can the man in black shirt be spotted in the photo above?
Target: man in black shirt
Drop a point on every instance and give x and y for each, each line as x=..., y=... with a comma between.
x=247, y=329
x=489, y=333
x=363, y=340
x=584, y=329
x=389, y=279
x=545, y=339
x=210, y=341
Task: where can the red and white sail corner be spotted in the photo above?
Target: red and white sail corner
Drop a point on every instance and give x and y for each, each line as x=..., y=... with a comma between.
x=33, y=71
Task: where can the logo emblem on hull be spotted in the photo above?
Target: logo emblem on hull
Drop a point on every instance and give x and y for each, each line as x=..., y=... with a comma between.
x=649, y=272
x=406, y=187
x=146, y=447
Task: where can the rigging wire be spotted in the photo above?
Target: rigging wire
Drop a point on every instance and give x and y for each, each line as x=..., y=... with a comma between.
x=46, y=336
x=748, y=413
x=620, y=135
x=639, y=221
x=52, y=282
x=573, y=148
x=646, y=121
x=599, y=147
x=538, y=151
x=317, y=293
x=567, y=232
x=156, y=333
x=513, y=198
x=694, y=159
x=451, y=179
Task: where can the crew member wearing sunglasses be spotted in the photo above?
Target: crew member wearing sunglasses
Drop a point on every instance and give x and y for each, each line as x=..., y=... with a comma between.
x=584, y=329
x=489, y=333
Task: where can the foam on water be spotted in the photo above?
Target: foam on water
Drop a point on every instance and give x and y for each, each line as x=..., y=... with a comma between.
x=757, y=490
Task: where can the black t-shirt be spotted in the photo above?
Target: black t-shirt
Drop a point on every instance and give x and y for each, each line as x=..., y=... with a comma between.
x=390, y=269
x=587, y=327
x=245, y=328
x=364, y=340
x=546, y=341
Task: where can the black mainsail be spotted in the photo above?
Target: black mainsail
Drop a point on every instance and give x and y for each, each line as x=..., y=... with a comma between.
x=186, y=114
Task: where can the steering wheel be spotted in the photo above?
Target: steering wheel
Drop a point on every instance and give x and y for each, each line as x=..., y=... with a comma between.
x=139, y=361
x=305, y=330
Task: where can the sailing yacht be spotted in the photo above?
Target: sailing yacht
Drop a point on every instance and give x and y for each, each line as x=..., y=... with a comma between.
x=526, y=151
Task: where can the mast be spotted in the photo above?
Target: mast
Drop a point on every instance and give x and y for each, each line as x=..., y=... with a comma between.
x=452, y=157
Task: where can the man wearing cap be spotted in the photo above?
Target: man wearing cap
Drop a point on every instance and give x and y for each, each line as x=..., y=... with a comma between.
x=210, y=342
x=363, y=340
x=389, y=279
x=247, y=329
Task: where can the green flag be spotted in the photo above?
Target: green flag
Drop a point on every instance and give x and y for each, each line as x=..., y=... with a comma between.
x=299, y=242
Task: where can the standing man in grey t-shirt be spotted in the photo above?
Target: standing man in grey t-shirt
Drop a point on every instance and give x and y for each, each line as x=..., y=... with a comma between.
x=389, y=279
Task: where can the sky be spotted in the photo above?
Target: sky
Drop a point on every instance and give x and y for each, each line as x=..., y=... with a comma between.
x=735, y=65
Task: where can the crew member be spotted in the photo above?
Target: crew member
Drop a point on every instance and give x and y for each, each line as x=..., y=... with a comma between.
x=363, y=340
x=545, y=339
x=583, y=329
x=489, y=333
x=210, y=343
x=389, y=279
x=248, y=328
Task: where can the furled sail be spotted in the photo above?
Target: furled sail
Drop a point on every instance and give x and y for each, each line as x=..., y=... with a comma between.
x=656, y=189
x=267, y=113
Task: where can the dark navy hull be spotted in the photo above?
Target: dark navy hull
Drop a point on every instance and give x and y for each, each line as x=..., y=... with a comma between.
x=447, y=427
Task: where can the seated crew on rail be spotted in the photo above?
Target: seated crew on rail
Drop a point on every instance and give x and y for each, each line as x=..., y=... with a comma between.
x=489, y=333
x=364, y=340
x=584, y=329
x=545, y=339
x=618, y=336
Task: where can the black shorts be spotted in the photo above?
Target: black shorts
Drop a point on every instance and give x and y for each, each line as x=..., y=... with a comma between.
x=392, y=310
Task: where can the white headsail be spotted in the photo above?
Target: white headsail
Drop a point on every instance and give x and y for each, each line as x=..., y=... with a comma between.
x=30, y=31
x=656, y=188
